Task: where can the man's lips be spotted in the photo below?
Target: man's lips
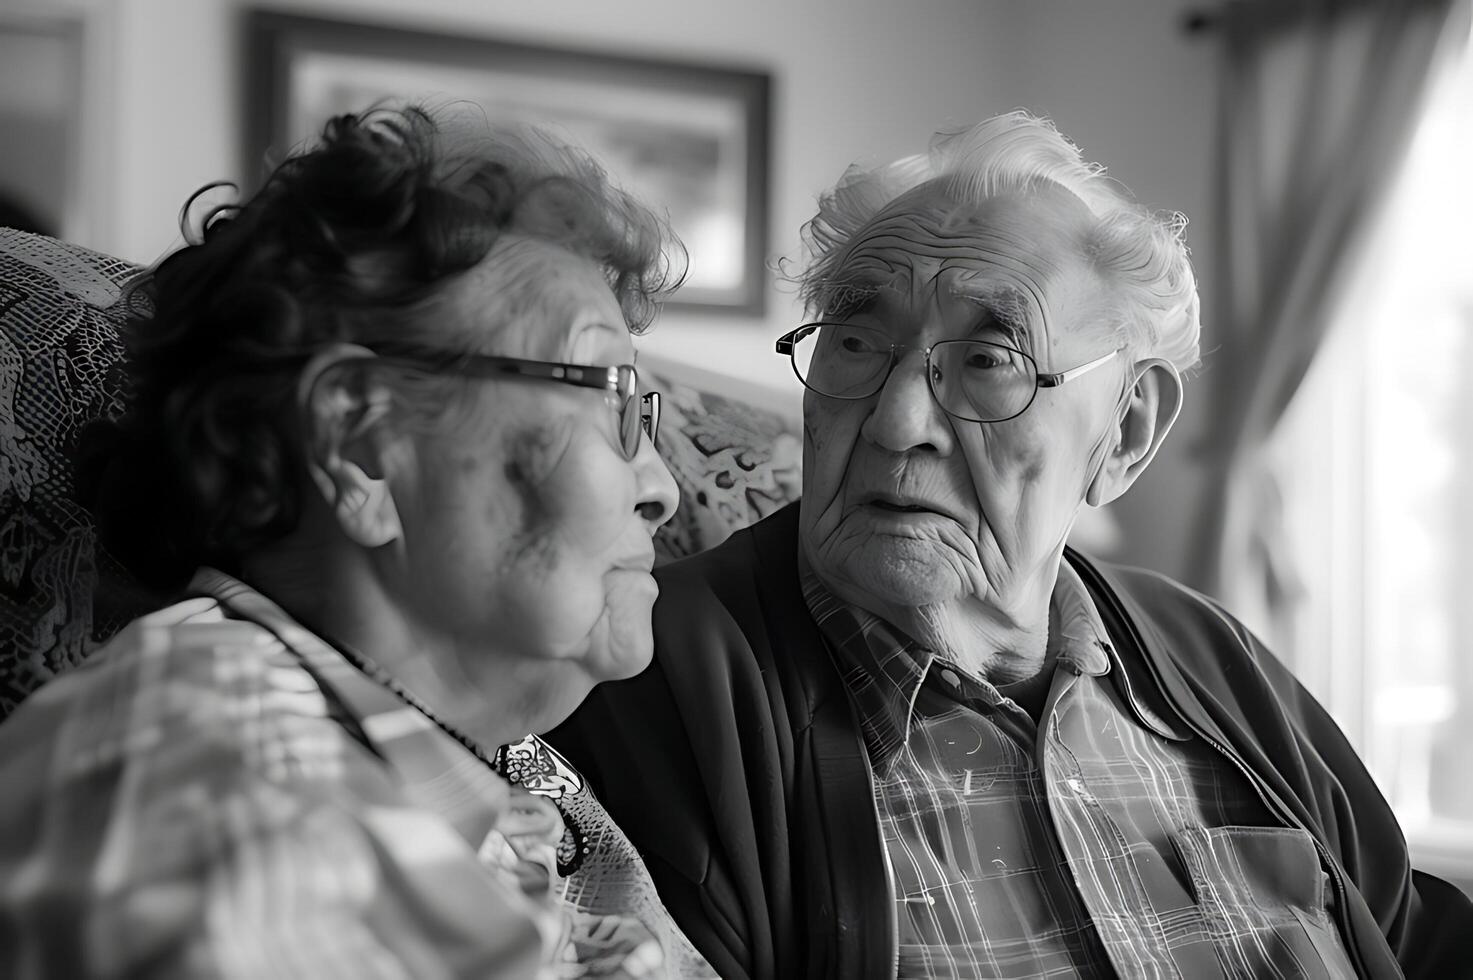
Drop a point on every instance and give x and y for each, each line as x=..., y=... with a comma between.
x=897, y=504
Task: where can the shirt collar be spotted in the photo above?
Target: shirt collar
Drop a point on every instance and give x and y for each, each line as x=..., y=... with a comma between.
x=883, y=668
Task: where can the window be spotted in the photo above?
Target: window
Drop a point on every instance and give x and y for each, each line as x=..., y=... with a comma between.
x=1376, y=462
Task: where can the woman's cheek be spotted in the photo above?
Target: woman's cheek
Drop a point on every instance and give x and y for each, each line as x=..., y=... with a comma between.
x=573, y=488
x=533, y=455
x=557, y=608
x=601, y=491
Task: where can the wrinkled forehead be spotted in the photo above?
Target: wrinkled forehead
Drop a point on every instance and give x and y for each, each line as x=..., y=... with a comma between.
x=1019, y=248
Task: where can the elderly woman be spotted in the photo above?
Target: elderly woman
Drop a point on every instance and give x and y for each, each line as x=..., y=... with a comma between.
x=387, y=442
x=914, y=735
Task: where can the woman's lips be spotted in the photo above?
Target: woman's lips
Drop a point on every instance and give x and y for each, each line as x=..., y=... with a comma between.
x=637, y=563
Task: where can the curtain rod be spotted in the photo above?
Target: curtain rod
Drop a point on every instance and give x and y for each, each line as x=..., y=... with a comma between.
x=1201, y=21
x=1270, y=15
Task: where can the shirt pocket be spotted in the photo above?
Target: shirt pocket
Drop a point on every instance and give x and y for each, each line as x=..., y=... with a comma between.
x=1261, y=891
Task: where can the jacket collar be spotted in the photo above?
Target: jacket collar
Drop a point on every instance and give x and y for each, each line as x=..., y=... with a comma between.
x=1137, y=689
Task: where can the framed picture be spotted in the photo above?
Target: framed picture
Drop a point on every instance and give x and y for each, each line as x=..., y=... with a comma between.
x=688, y=139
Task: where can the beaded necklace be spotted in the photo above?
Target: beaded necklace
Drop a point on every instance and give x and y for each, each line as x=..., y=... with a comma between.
x=238, y=599
x=572, y=848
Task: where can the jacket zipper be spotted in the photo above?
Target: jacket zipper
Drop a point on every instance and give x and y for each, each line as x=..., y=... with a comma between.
x=1342, y=908
x=891, y=912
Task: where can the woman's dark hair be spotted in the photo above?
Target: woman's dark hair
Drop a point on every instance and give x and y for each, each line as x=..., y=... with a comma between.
x=351, y=240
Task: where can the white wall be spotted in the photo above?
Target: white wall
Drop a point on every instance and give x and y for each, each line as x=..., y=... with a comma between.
x=853, y=80
x=849, y=79
x=40, y=70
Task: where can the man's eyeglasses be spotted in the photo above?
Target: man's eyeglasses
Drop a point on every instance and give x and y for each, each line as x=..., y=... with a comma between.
x=637, y=413
x=973, y=380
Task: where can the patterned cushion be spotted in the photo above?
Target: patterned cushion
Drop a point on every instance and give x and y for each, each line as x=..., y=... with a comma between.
x=734, y=462
x=61, y=594
x=59, y=350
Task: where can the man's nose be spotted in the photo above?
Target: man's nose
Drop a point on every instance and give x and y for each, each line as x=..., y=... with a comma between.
x=906, y=415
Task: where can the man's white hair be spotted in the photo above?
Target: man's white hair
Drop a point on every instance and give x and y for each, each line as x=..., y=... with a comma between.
x=1141, y=252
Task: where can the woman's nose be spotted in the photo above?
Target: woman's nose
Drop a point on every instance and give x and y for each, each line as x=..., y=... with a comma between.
x=657, y=492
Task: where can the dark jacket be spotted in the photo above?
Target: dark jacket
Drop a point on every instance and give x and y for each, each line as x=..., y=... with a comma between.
x=735, y=765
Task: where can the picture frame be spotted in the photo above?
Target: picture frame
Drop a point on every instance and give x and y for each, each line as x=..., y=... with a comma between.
x=687, y=139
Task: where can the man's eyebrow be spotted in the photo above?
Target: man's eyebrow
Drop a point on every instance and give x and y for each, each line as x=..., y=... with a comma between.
x=1007, y=304
x=850, y=288
x=864, y=272
x=991, y=292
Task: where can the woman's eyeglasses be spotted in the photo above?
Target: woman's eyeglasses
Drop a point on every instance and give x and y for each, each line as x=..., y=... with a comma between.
x=637, y=413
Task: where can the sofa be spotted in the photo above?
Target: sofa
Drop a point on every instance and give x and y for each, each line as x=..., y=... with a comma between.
x=61, y=365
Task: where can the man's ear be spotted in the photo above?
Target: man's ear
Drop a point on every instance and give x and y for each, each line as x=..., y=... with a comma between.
x=342, y=411
x=1151, y=407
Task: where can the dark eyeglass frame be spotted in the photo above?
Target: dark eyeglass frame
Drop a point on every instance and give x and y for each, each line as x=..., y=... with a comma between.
x=620, y=379
x=787, y=345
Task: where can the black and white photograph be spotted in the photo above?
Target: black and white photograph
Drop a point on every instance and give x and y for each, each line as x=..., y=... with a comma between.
x=668, y=490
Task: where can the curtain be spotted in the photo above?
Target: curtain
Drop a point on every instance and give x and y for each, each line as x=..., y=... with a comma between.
x=1318, y=100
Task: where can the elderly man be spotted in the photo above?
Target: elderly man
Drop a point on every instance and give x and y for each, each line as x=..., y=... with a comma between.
x=900, y=729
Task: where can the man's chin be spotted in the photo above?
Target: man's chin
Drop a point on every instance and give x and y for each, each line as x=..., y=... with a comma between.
x=889, y=587
x=906, y=594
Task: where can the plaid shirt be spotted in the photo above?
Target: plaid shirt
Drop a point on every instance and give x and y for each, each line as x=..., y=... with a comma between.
x=1112, y=843
x=219, y=793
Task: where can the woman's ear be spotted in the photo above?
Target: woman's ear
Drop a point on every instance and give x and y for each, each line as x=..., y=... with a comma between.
x=341, y=412
x=1151, y=407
